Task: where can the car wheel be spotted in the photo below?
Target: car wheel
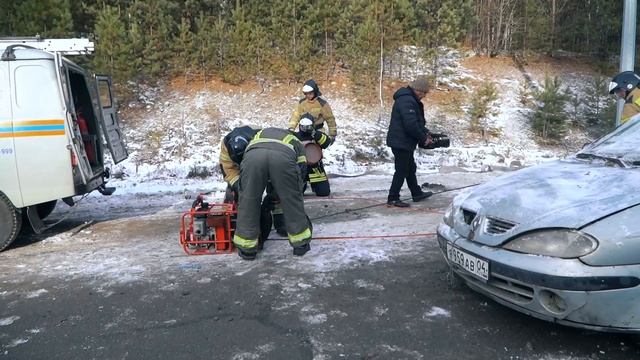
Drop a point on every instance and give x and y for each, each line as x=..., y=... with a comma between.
x=10, y=222
x=45, y=209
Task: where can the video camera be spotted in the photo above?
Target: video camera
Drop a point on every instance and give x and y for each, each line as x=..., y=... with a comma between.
x=437, y=141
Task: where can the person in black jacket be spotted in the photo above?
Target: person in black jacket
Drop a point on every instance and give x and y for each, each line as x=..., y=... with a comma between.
x=406, y=130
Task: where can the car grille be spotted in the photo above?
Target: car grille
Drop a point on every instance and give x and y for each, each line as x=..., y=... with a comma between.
x=495, y=226
x=503, y=287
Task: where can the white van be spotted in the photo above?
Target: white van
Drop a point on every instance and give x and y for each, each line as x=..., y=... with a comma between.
x=54, y=120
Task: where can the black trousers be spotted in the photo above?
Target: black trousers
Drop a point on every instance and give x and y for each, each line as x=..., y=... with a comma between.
x=405, y=167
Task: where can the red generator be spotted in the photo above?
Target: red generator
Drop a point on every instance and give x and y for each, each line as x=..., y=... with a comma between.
x=208, y=228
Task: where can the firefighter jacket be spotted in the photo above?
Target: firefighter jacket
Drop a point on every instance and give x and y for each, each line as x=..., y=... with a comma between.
x=407, y=126
x=275, y=138
x=229, y=162
x=321, y=112
x=274, y=155
x=631, y=105
x=317, y=136
x=315, y=173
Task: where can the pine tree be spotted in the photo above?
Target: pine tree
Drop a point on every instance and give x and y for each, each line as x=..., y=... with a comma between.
x=363, y=55
x=154, y=19
x=204, y=56
x=595, y=100
x=574, y=102
x=599, y=108
x=441, y=25
x=136, y=47
x=239, y=46
x=111, y=55
x=7, y=20
x=48, y=18
x=482, y=102
x=549, y=118
x=183, y=49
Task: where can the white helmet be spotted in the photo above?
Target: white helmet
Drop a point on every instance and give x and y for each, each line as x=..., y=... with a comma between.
x=306, y=123
x=307, y=89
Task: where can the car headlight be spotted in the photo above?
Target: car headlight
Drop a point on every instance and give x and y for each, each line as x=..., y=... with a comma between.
x=448, y=216
x=557, y=243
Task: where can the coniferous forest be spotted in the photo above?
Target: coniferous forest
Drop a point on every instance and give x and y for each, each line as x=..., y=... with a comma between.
x=237, y=40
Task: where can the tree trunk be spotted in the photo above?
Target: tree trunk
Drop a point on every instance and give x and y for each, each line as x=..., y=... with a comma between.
x=553, y=26
x=381, y=65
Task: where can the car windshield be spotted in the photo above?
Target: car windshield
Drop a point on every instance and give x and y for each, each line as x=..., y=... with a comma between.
x=622, y=146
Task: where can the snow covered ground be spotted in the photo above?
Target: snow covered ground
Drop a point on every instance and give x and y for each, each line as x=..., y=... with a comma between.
x=83, y=291
x=174, y=135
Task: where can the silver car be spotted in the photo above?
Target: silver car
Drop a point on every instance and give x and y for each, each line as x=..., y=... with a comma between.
x=559, y=241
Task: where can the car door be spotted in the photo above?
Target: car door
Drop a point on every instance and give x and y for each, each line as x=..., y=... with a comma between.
x=109, y=117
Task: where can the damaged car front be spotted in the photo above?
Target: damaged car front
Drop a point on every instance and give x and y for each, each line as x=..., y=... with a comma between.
x=559, y=241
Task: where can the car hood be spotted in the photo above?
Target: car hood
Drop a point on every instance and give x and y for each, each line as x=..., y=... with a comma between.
x=557, y=194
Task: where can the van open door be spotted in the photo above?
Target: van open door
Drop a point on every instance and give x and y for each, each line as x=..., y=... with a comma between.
x=75, y=138
x=109, y=123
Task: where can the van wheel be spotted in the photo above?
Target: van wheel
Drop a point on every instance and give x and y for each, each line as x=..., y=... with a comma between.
x=10, y=222
x=45, y=209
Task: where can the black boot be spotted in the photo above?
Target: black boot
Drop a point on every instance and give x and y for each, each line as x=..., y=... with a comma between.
x=421, y=196
x=301, y=250
x=397, y=203
x=247, y=254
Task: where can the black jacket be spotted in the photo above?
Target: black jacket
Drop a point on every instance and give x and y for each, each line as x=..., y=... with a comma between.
x=407, y=127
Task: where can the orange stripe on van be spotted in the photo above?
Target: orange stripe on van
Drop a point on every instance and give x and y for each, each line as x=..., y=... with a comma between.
x=39, y=122
x=32, y=133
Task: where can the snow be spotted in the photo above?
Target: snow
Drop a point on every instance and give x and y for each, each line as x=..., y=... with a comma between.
x=436, y=312
x=35, y=294
x=9, y=320
x=178, y=132
x=174, y=133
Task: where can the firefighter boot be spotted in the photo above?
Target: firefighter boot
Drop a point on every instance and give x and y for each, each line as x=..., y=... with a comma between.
x=301, y=250
x=247, y=254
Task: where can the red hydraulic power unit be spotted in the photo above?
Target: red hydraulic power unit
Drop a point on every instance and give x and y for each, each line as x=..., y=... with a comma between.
x=208, y=228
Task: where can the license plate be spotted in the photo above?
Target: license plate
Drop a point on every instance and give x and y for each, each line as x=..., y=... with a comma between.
x=472, y=264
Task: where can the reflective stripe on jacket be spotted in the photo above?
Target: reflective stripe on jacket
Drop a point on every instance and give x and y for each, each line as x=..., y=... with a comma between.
x=269, y=136
x=230, y=170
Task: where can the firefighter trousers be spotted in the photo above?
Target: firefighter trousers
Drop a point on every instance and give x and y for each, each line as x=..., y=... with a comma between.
x=259, y=166
x=319, y=179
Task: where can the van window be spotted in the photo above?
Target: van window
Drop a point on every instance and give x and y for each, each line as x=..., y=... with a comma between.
x=105, y=94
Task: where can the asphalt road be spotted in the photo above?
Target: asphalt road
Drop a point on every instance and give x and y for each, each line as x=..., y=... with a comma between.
x=121, y=288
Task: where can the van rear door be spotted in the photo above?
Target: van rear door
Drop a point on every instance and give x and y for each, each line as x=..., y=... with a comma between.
x=75, y=138
x=109, y=122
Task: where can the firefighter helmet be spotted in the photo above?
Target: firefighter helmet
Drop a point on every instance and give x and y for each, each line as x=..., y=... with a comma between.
x=626, y=80
x=237, y=141
x=306, y=123
x=237, y=146
x=311, y=86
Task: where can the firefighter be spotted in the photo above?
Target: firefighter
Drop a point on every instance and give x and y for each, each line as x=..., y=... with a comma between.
x=625, y=86
x=315, y=172
x=313, y=104
x=232, y=150
x=274, y=155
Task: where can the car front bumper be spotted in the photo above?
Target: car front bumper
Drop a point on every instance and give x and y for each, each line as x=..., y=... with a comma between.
x=564, y=291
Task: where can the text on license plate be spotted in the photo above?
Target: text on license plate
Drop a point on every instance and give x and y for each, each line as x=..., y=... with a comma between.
x=468, y=262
